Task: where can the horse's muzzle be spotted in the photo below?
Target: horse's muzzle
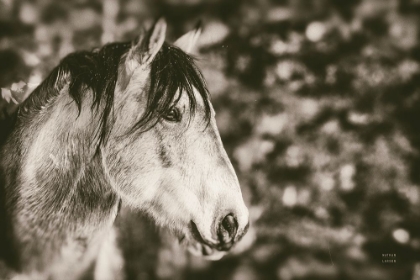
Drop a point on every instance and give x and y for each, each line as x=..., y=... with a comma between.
x=227, y=234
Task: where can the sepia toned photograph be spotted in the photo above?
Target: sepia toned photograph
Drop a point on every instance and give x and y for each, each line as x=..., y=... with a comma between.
x=210, y=140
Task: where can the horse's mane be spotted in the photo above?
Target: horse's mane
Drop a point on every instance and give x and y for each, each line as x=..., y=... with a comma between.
x=97, y=71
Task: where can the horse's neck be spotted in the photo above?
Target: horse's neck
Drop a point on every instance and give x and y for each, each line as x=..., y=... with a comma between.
x=55, y=187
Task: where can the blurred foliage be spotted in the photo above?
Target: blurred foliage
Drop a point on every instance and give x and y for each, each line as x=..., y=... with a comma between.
x=318, y=104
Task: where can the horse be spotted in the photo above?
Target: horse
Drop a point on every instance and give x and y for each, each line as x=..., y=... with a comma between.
x=127, y=124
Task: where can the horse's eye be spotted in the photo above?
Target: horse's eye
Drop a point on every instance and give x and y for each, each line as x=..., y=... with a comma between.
x=173, y=115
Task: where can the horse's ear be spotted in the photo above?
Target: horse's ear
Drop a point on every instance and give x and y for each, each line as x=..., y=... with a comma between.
x=155, y=40
x=146, y=48
x=187, y=41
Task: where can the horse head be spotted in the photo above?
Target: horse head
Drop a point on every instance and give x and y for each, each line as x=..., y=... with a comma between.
x=164, y=155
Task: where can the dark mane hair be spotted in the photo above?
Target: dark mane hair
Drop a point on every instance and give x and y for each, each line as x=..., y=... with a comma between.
x=171, y=70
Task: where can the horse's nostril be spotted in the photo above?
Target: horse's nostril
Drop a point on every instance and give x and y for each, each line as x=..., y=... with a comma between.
x=227, y=229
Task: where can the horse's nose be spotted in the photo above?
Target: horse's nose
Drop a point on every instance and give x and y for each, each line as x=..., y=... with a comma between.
x=228, y=228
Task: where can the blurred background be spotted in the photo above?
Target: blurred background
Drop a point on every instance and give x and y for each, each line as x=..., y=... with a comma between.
x=318, y=105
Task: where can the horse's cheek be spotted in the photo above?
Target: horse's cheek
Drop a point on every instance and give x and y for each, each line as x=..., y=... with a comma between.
x=135, y=167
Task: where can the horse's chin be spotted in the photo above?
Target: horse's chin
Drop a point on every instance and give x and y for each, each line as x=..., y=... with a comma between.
x=205, y=251
x=197, y=246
